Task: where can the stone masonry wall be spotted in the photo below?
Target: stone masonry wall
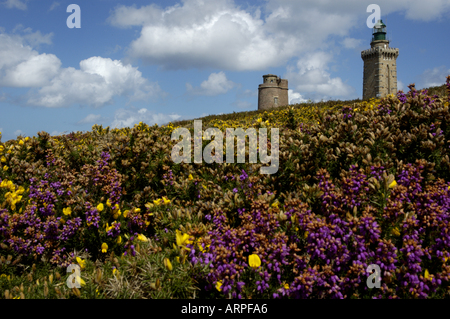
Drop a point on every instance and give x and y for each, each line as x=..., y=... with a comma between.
x=380, y=70
x=272, y=93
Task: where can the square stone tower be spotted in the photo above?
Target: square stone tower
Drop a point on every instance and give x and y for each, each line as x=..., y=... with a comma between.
x=273, y=92
x=380, y=65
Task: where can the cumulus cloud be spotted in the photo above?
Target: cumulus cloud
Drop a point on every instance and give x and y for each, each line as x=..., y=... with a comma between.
x=96, y=83
x=129, y=117
x=222, y=35
x=216, y=84
x=311, y=78
x=295, y=97
x=91, y=118
x=38, y=70
x=202, y=34
x=15, y=4
x=433, y=77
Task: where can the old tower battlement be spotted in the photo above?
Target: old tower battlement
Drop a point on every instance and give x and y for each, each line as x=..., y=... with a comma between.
x=380, y=65
x=273, y=92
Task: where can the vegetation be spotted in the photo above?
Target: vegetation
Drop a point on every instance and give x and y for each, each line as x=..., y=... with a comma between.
x=359, y=183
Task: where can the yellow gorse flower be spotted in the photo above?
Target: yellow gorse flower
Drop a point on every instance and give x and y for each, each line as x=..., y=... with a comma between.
x=67, y=211
x=3, y=159
x=254, y=261
x=81, y=262
x=104, y=247
x=190, y=177
x=168, y=264
x=395, y=231
x=393, y=184
x=119, y=239
x=108, y=203
x=100, y=207
x=142, y=238
x=427, y=274
x=183, y=239
x=157, y=202
x=166, y=201
x=80, y=281
x=219, y=285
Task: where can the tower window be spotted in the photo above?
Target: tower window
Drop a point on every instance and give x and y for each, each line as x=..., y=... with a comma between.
x=275, y=100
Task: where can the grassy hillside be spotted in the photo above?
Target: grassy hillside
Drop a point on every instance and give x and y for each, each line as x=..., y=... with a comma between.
x=358, y=183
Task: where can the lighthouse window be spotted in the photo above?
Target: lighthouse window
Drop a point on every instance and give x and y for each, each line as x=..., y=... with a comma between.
x=275, y=100
x=271, y=81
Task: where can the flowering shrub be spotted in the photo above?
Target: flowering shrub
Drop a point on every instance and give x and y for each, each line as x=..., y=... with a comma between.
x=359, y=183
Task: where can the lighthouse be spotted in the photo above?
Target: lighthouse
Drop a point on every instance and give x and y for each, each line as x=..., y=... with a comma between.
x=380, y=65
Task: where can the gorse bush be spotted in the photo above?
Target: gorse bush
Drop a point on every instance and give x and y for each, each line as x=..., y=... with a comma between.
x=359, y=183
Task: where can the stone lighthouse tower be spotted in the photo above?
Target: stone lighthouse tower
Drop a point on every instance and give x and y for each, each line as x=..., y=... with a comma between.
x=380, y=66
x=273, y=92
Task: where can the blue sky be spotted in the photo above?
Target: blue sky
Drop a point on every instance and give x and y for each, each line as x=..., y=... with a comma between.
x=160, y=61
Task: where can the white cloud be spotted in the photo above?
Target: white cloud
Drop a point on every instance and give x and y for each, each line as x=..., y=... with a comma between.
x=311, y=77
x=129, y=117
x=295, y=97
x=26, y=36
x=16, y=4
x=91, y=118
x=351, y=43
x=221, y=34
x=202, y=34
x=54, y=5
x=18, y=132
x=426, y=10
x=216, y=84
x=96, y=83
x=434, y=77
x=38, y=70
